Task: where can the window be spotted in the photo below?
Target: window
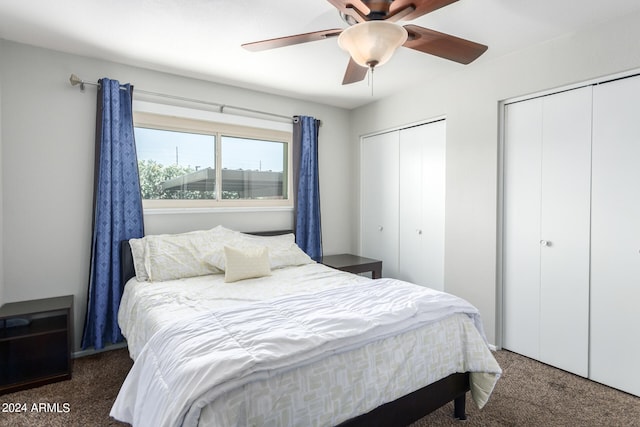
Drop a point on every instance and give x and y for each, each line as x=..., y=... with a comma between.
x=253, y=169
x=196, y=163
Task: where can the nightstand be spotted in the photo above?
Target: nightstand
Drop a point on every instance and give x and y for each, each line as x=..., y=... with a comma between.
x=354, y=264
x=35, y=342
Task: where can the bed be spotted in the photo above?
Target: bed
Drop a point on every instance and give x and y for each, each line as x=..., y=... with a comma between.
x=247, y=330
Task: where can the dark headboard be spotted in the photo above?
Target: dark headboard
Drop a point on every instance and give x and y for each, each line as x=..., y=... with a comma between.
x=127, y=270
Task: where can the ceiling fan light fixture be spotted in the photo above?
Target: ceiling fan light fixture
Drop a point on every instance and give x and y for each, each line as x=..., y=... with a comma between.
x=372, y=43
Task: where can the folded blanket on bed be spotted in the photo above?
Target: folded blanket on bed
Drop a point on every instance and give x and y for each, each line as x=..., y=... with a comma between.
x=189, y=364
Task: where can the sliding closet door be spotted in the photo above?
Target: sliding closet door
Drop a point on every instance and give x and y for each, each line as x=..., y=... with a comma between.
x=379, y=205
x=564, y=230
x=422, y=204
x=546, y=235
x=521, y=245
x=615, y=253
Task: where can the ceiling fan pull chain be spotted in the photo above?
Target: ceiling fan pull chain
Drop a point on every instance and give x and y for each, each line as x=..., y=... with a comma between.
x=370, y=79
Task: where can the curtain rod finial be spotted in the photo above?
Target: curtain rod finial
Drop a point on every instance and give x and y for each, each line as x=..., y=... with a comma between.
x=75, y=80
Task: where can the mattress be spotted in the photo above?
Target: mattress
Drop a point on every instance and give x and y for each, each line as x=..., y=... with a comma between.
x=326, y=390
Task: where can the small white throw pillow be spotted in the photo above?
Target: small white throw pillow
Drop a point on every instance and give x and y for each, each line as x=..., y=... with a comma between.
x=245, y=263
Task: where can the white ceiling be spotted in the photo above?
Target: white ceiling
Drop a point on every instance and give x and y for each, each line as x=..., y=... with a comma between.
x=202, y=38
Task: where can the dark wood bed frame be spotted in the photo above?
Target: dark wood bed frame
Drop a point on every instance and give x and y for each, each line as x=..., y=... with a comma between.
x=400, y=412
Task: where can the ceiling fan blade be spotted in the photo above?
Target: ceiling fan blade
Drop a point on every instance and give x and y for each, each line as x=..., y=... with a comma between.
x=354, y=73
x=443, y=45
x=291, y=40
x=420, y=7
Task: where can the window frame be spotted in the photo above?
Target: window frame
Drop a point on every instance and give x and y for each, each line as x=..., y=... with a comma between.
x=217, y=129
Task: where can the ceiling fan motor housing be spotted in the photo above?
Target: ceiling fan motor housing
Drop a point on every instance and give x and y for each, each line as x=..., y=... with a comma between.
x=378, y=9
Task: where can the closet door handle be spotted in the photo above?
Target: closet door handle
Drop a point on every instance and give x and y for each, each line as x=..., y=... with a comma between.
x=545, y=243
x=419, y=232
x=380, y=228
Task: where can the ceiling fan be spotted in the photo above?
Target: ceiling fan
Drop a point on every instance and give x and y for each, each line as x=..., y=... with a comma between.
x=374, y=35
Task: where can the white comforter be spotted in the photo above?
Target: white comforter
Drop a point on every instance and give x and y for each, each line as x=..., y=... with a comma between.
x=187, y=365
x=147, y=307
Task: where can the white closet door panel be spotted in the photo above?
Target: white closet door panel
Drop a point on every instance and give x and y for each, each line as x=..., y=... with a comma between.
x=521, y=246
x=411, y=255
x=564, y=230
x=422, y=204
x=433, y=203
x=379, y=208
x=615, y=236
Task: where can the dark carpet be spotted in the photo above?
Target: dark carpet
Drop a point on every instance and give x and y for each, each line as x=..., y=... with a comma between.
x=528, y=394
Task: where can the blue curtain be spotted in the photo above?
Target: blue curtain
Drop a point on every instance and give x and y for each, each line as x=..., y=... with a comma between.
x=307, y=213
x=117, y=210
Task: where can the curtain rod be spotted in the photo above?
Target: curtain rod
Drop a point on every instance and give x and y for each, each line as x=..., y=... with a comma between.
x=75, y=81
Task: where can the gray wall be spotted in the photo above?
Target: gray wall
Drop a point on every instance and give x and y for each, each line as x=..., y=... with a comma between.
x=47, y=146
x=469, y=99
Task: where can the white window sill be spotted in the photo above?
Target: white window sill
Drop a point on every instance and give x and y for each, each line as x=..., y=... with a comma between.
x=225, y=209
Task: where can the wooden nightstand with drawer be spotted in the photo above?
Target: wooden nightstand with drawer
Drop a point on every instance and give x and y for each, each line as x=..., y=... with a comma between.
x=36, y=338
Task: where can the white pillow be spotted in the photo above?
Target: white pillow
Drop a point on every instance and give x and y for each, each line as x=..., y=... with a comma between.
x=245, y=263
x=137, y=252
x=283, y=250
x=197, y=253
x=175, y=256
